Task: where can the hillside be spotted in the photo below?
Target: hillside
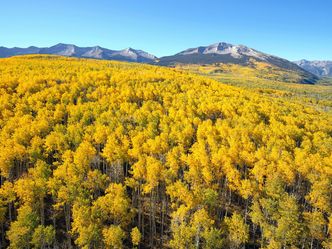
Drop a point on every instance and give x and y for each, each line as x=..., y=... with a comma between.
x=104, y=154
x=268, y=80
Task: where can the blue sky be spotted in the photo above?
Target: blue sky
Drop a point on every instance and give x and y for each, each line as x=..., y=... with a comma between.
x=293, y=29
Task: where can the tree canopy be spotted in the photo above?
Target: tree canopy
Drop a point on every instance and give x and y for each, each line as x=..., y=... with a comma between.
x=100, y=154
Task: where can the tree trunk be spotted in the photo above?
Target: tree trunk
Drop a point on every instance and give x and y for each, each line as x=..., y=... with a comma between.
x=68, y=225
x=42, y=211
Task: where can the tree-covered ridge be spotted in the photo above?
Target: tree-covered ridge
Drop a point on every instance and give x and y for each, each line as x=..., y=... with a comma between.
x=99, y=154
x=254, y=70
x=270, y=81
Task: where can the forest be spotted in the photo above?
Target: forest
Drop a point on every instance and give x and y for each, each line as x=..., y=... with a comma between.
x=270, y=81
x=103, y=154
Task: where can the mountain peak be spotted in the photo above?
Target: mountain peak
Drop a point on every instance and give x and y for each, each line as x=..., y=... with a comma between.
x=224, y=48
x=62, y=45
x=220, y=46
x=129, y=50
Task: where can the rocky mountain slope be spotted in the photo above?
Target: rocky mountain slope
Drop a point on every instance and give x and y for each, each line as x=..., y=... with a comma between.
x=319, y=68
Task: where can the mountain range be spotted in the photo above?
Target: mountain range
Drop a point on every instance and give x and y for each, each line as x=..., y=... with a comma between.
x=216, y=53
x=95, y=52
x=319, y=68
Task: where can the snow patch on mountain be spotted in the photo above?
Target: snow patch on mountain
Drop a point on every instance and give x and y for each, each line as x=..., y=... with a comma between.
x=223, y=48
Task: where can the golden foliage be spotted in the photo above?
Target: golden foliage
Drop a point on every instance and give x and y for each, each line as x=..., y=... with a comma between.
x=115, y=152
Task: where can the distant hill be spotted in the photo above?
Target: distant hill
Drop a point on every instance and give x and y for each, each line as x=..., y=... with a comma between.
x=216, y=53
x=97, y=52
x=233, y=54
x=319, y=68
